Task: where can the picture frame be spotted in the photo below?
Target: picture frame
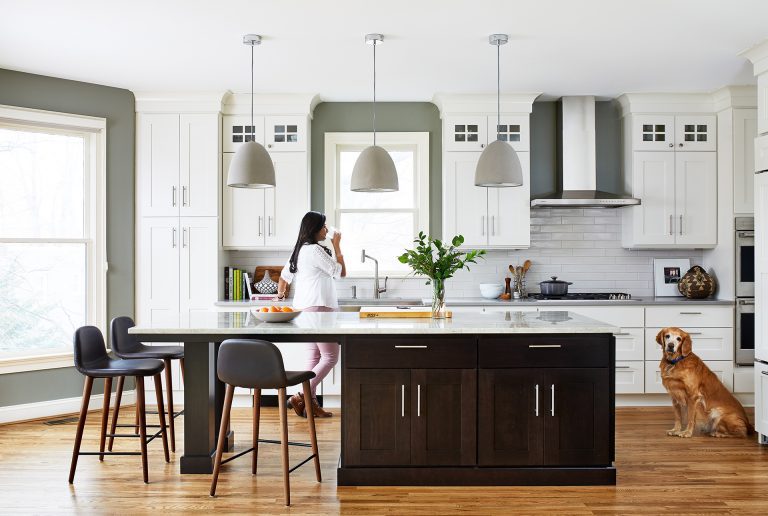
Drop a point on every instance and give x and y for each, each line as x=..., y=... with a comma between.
x=667, y=273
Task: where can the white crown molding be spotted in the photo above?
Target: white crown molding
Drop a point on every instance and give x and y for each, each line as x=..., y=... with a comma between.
x=735, y=97
x=27, y=411
x=666, y=103
x=758, y=55
x=270, y=103
x=179, y=102
x=458, y=104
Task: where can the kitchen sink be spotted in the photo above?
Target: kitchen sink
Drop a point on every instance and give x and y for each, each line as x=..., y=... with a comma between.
x=354, y=304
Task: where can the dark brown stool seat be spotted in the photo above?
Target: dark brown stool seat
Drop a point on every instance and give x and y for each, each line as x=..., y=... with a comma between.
x=258, y=364
x=126, y=345
x=91, y=360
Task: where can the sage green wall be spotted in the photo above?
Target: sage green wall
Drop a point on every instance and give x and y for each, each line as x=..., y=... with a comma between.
x=117, y=106
x=336, y=117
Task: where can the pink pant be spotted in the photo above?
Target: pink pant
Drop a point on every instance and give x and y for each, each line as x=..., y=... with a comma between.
x=321, y=356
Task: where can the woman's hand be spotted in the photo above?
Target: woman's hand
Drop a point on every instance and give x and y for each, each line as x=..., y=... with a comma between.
x=336, y=240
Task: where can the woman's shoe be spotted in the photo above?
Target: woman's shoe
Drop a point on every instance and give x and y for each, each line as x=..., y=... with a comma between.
x=318, y=411
x=297, y=403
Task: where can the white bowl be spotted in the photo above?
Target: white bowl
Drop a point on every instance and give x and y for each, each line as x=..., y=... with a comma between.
x=275, y=317
x=491, y=290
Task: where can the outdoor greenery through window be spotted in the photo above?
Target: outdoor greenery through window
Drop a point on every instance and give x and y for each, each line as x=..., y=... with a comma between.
x=381, y=223
x=48, y=236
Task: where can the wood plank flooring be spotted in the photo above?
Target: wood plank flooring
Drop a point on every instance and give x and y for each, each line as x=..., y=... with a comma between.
x=656, y=475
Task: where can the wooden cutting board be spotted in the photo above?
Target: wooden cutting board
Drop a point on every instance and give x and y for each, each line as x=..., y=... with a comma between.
x=274, y=272
x=398, y=312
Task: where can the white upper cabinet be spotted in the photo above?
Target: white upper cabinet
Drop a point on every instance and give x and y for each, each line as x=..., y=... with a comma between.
x=696, y=133
x=239, y=129
x=762, y=103
x=177, y=164
x=695, y=199
x=653, y=181
x=474, y=132
x=669, y=132
x=744, y=133
x=653, y=132
x=507, y=223
x=277, y=133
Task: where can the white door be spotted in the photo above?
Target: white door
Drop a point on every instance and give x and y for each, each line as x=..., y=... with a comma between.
x=238, y=129
x=761, y=266
x=199, y=165
x=157, y=164
x=761, y=153
x=158, y=271
x=653, y=132
x=696, y=198
x=288, y=202
x=744, y=133
x=696, y=133
x=198, y=267
x=466, y=204
x=285, y=133
x=653, y=181
x=242, y=212
x=761, y=398
x=513, y=129
x=509, y=210
x=465, y=133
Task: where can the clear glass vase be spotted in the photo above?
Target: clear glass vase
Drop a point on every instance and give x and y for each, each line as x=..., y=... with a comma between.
x=438, y=299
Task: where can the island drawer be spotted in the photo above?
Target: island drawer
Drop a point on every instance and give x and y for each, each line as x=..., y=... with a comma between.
x=544, y=351
x=411, y=353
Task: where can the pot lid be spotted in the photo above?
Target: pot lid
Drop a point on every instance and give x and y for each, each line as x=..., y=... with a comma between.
x=555, y=281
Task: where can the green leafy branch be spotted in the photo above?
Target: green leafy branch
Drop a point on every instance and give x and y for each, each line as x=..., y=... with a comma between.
x=437, y=261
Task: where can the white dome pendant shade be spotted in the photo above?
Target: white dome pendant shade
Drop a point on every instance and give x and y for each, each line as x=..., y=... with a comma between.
x=499, y=165
x=251, y=166
x=374, y=170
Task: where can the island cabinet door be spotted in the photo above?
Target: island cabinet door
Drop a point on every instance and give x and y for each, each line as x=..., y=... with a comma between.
x=576, y=405
x=377, y=417
x=510, y=412
x=443, y=417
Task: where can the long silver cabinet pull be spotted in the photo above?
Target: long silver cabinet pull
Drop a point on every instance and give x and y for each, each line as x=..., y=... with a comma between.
x=418, y=400
x=482, y=224
x=261, y=220
x=545, y=346
x=269, y=226
x=183, y=195
x=536, y=408
x=681, y=224
x=493, y=225
x=671, y=223
x=690, y=313
x=173, y=237
x=184, y=237
x=621, y=334
x=553, y=399
x=402, y=400
x=423, y=346
x=173, y=196
x=623, y=367
x=764, y=372
x=694, y=333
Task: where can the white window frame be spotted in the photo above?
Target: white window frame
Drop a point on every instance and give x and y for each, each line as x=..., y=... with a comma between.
x=95, y=131
x=336, y=142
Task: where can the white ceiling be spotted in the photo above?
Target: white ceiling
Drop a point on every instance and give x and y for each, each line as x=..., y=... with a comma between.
x=558, y=47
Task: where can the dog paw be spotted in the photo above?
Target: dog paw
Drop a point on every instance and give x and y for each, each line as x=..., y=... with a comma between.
x=685, y=434
x=674, y=432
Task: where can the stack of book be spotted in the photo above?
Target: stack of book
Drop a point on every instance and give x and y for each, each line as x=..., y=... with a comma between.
x=238, y=284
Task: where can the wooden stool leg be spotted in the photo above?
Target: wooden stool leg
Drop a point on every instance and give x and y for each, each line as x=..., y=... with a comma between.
x=80, y=426
x=136, y=419
x=116, y=412
x=169, y=393
x=161, y=413
x=312, y=433
x=142, y=425
x=105, y=416
x=284, y=442
x=256, y=419
x=222, y=436
x=181, y=364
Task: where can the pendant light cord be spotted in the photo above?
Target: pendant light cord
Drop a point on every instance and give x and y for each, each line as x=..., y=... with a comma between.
x=253, y=129
x=374, y=93
x=498, y=89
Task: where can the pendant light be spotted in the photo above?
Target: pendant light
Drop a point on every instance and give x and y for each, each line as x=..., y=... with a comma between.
x=499, y=165
x=374, y=170
x=251, y=165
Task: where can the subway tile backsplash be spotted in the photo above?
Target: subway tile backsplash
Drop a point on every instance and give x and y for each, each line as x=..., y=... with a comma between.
x=578, y=245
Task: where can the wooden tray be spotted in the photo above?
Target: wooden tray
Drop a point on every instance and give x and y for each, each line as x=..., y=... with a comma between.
x=395, y=312
x=274, y=275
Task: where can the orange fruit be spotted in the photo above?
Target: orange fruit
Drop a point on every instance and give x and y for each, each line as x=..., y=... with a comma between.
x=264, y=309
x=274, y=309
x=287, y=309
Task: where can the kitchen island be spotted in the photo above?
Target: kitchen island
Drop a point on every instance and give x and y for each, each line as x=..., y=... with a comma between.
x=480, y=399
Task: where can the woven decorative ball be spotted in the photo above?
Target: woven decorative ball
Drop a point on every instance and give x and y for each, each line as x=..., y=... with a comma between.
x=696, y=283
x=266, y=285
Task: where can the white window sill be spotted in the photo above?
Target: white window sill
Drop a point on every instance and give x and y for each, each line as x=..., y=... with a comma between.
x=36, y=363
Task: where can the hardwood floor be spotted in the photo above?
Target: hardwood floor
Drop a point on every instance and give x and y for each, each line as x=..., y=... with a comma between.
x=656, y=475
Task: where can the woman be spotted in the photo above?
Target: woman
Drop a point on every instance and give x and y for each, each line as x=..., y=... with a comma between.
x=314, y=268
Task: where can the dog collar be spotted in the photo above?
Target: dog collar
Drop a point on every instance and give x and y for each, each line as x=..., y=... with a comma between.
x=675, y=361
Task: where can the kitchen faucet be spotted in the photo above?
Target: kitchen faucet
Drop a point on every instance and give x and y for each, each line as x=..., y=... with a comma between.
x=376, y=290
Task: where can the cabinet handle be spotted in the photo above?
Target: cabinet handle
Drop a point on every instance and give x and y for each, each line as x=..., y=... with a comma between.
x=184, y=237
x=402, y=401
x=423, y=346
x=482, y=225
x=553, y=399
x=690, y=313
x=536, y=408
x=671, y=144
x=173, y=196
x=493, y=225
x=621, y=334
x=183, y=195
x=694, y=333
x=671, y=222
x=418, y=400
x=173, y=238
x=261, y=220
x=623, y=367
x=764, y=372
x=681, y=224
x=482, y=146
x=545, y=346
x=269, y=220
x=679, y=144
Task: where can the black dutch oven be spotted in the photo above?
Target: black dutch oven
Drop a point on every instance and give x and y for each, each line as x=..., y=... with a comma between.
x=554, y=287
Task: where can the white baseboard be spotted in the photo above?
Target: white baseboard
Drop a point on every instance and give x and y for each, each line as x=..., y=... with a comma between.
x=41, y=409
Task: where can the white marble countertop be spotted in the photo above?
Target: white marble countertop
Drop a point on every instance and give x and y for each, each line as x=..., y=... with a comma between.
x=350, y=323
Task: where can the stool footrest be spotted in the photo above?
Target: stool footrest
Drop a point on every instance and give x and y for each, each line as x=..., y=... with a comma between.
x=300, y=464
x=271, y=441
x=175, y=414
x=108, y=453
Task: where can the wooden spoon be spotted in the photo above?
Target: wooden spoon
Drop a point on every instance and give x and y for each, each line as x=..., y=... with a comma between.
x=526, y=266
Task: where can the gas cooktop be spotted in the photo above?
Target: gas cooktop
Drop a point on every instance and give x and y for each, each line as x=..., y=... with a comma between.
x=583, y=296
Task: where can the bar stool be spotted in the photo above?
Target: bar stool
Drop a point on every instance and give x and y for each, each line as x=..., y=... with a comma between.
x=258, y=364
x=91, y=359
x=125, y=345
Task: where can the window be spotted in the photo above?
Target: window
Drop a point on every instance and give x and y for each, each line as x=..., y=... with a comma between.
x=52, y=242
x=377, y=222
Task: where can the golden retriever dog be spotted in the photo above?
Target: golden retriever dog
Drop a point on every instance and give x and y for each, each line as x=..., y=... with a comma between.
x=696, y=390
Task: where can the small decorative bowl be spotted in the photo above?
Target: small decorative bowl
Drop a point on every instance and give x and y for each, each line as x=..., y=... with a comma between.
x=275, y=317
x=491, y=290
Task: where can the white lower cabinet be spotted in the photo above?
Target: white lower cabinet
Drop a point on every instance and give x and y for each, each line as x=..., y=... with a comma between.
x=761, y=398
x=630, y=377
x=707, y=343
x=723, y=369
x=744, y=379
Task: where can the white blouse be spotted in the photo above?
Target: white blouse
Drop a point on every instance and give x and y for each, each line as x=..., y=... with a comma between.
x=315, y=272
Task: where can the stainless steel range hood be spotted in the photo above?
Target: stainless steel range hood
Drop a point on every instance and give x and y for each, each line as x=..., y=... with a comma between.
x=579, y=164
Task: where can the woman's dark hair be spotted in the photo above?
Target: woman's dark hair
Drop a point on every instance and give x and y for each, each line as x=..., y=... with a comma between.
x=311, y=225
